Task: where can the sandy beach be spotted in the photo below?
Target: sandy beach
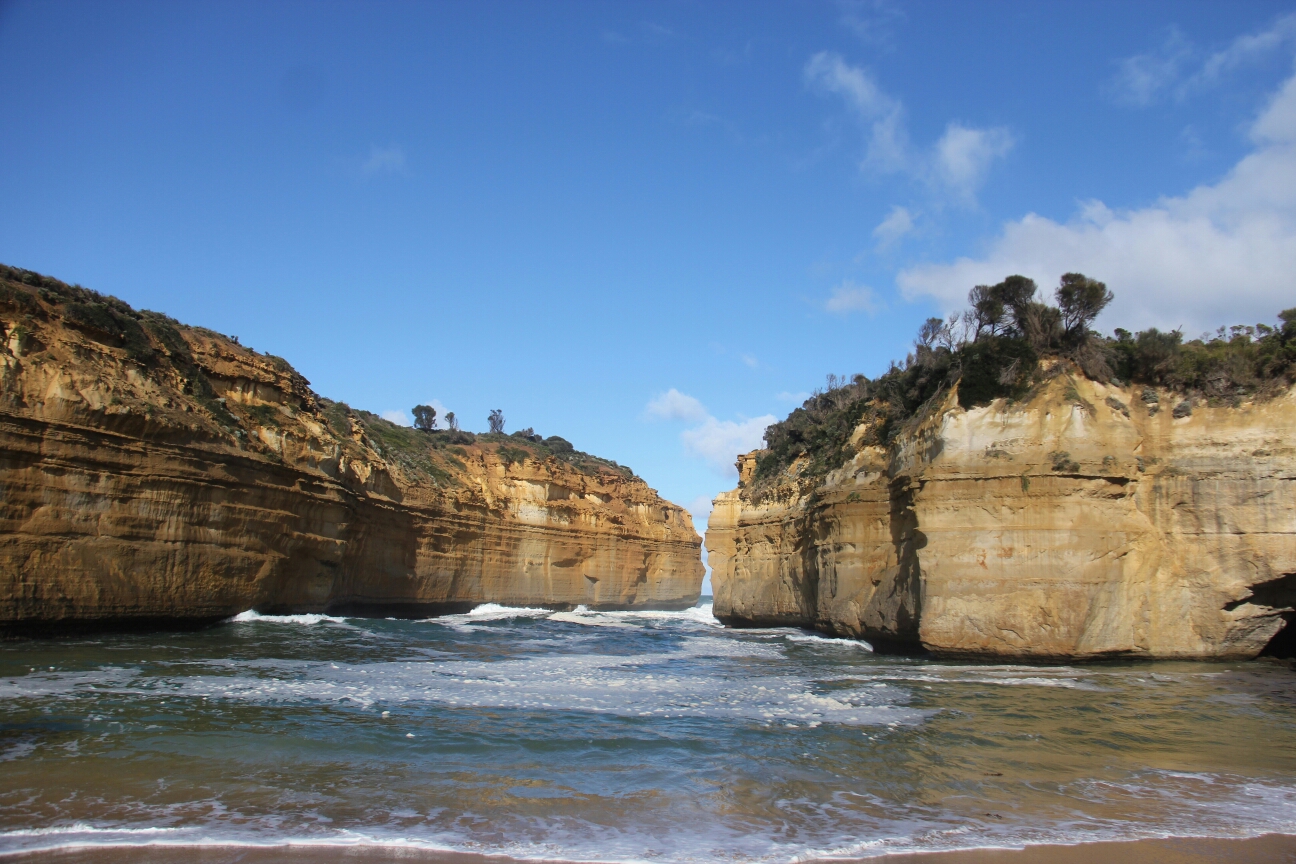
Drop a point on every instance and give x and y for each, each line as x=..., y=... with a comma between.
x=1266, y=849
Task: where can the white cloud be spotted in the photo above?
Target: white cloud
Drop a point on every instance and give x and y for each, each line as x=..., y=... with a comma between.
x=887, y=138
x=1248, y=48
x=870, y=20
x=1221, y=254
x=897, y=224
x=963, y=156
x=1176, y=68
x=674, y=405
x=1276, y=127
x=400, y=418
x=1141, y=78
x=849, y=297
x=956, y=164
x=749, y=361
x=720, y=441
x=384, y=160
x=794, y=398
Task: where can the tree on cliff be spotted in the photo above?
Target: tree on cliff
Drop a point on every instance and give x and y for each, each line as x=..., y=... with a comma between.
x=496, y=420
x=424, y=418
x=452, y=422
x=930, y=331
x=1000, y=308
x=1080, y=299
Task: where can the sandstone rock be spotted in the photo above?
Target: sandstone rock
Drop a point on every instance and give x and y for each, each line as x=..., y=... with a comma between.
x=165, y=475
x=1082, y=523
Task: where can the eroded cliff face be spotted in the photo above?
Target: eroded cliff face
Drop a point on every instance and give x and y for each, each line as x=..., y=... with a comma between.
x=1089, y=521
x=158, y=474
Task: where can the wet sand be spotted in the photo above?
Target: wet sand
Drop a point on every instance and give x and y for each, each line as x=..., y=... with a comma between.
x=1268, y=849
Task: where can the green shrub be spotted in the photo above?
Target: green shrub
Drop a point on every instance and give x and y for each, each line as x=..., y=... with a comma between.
x=265, y=415
x=513, y=455
x=281, y=365
x=412, y=450
x=559, y=446
x=995, y=367
x=338, y=417
x=1063, y=463
x=165, y=332
x=18, y=298
x=107, y=323
x=1230, y=364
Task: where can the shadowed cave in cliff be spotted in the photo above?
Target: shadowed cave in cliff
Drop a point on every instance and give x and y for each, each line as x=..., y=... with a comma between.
x=1283, y=644
x=1277, y=594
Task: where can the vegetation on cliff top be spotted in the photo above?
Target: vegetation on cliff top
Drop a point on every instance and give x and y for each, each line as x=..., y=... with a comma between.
x=993, y=350
x=421, y=449
x=151, y=339
x=157, y=343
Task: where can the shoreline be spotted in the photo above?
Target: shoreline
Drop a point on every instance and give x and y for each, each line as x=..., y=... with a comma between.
x=1171, y=850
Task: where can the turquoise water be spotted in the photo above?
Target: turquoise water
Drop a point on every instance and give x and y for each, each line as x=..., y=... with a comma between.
x=620, y=736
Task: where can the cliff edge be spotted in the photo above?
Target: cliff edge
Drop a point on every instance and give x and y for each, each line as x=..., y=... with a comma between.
x=1083, y=523
x=159, y=474
x=990, y=498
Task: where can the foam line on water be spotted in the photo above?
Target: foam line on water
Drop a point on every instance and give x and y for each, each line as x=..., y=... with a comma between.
x=626, y=619
x=252, y=616
x=82, y=828
x=619, y=685
x=492, y=611
x=485, y=614
x=828, y=641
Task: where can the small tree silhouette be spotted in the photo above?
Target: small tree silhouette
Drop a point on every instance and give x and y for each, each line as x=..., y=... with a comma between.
x=424, y=418
x=496, y=420
x=452, y=422
x=1081, y=299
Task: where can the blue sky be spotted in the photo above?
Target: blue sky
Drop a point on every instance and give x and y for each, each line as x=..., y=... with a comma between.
x=647, y=227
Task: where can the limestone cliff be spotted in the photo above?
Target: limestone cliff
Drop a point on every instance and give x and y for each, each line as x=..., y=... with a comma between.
x=1086, y=521
x=154, y=473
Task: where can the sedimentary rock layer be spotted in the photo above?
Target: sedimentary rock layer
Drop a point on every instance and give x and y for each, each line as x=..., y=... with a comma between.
x=158, y=474
x=1089, y=521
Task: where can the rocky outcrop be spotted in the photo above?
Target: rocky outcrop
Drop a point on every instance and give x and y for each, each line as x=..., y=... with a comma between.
x=159, y=474
x=1088, y=521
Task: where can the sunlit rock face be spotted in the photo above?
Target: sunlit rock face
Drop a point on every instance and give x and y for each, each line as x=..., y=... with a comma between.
x=176, y=477
x=1089, y=521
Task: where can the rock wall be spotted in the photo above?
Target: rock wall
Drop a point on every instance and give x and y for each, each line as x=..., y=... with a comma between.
x=179, y=478
x=1090, y=521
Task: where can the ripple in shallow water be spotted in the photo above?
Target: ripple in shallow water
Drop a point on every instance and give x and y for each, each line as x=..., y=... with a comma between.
x=618, y=736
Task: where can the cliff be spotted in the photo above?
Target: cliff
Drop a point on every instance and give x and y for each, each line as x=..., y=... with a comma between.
x=158, y=474
x=1086, y=520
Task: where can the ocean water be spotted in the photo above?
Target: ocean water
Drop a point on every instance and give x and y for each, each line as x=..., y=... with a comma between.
x=595, y=736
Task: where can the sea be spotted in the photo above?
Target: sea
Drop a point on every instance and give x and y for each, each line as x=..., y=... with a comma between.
x=620, y=736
